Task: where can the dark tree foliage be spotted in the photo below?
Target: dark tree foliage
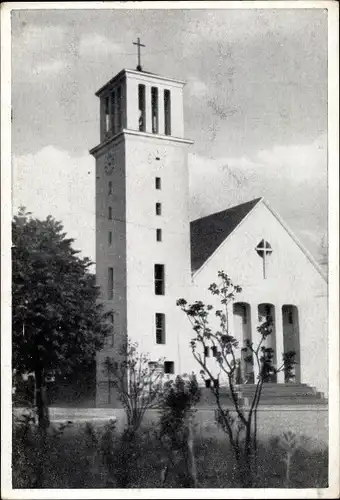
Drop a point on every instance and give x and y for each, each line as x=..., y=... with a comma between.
x=139, y=385
x=57, y=320
x=177, y=402
x=177, y=410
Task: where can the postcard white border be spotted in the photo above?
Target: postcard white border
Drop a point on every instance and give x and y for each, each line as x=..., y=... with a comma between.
x=333, y=490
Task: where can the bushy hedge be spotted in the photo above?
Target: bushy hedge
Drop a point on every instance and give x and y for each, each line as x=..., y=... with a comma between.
x=89, y=456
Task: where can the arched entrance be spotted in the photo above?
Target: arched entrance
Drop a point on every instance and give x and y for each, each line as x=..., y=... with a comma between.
x=242, y=331
x=266, y=313
x=291, y=338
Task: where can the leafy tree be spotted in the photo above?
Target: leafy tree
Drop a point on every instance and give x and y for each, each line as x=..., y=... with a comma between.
x=240, y=426
x=139, y=383
x=177, y=426
x=57, y=320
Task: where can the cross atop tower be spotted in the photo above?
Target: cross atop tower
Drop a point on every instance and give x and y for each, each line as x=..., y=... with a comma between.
x=139, y=45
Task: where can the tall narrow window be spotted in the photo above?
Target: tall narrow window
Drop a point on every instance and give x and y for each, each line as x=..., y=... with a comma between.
x=154, y=109
x=167, y=112
x=206, y=352
x=158, y=209
x=113, y=111
x=158, y=235
x=110, y=238
x=158, y=183
x=159, y=279
x=141, y=107
x=107, y=114
x=291, y=340
x=110, y=337
x=110, y=284
x=169, y=367
x=110, y=188
x=110, y=213
x=160, y=328
x=119, y=109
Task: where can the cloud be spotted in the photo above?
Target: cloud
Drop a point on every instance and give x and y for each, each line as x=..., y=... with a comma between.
x=296, y=165
x=37, y=37
x=49, y=68
x=96, y=45
x=207, y=26
x=51, y=182
x=38, y=52
x=34, y=43
x=301, y=162
x=292, y=178
x=196, y=88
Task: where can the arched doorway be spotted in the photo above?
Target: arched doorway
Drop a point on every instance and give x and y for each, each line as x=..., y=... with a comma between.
x=291, y=338
x=266, y=314
x=242, y=331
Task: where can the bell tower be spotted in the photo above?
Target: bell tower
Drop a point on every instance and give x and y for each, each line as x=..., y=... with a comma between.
x=142, y=220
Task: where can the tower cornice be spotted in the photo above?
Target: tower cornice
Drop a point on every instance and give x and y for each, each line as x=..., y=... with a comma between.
x=97, y=149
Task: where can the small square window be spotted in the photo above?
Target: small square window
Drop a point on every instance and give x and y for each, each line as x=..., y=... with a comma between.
x=158, y=209
x=155, y=367
x=158, y=234
x=158, y=183
x=169, y=367
x=152, y=366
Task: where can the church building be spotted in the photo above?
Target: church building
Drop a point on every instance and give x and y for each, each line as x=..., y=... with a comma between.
x=149, y=254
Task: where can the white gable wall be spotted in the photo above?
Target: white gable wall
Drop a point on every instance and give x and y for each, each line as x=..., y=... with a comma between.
x=291, y=279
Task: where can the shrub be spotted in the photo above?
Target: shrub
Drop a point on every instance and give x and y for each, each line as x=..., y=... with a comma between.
x=176, y=427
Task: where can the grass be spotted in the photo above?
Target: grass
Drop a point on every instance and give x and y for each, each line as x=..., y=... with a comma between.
x=86, y=456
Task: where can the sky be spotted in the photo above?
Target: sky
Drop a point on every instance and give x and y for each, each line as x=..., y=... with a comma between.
x=255, y=104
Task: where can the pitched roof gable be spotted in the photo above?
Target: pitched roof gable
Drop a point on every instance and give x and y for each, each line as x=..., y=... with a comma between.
x=208, y=233
x=297, y=242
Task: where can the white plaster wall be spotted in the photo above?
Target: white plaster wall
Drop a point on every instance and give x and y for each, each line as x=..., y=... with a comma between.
x=111, y=256
x=143, y=251
x=291, y=279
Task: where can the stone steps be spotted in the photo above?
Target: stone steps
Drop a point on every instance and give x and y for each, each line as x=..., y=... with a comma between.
x=272, y=394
